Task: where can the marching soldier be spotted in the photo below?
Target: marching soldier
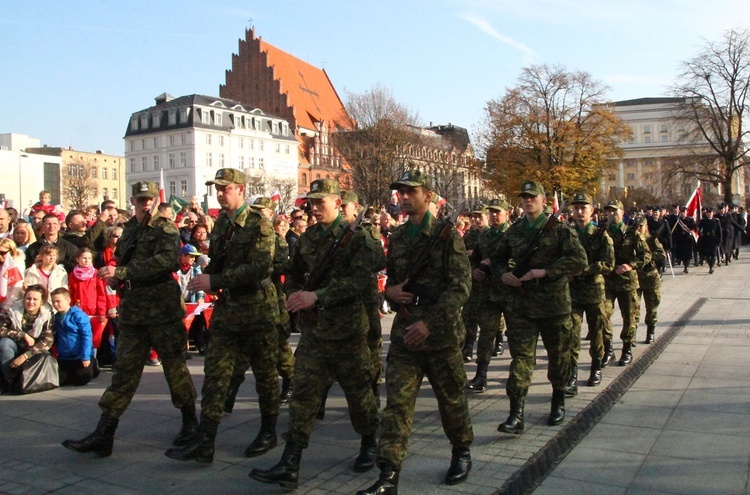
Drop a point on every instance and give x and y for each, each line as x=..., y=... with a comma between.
x=151, y=313
x=710, y=231
x=545, y=252
x=631, y=254
x=587, y=289
x=649, y=280
x=426, y=333
x=243, y=324
x=479, y=225
x=491, y=299
x=334, y=325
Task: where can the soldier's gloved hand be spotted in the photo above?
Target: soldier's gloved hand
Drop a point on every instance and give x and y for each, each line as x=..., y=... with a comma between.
x=416, y=334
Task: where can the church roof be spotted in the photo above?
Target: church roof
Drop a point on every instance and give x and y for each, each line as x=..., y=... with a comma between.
x=309, y=90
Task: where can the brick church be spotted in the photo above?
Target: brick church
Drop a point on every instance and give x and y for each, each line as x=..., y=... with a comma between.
x=283, y=85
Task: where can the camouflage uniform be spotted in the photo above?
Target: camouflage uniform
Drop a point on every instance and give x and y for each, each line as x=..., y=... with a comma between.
x=243, y=324
x=649, y=282
x=471, y=308
x=371, y=300
x=439, y=357
x=631, y=248
x=151, y=313
x=541, y=306
x=333, y=341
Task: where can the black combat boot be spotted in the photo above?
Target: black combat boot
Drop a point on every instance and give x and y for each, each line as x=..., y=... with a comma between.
x=514, y=423
x=287, y=388
x=650, y=334
x=609, y=353
x=479, y=382
x=286, y=472
x=100, y=441
x=595, y=378
x=627, y=355
x=557, y=412
x=321, y=414
x=376, y=392
x=200, y=448
x=368, y=453
x=460, y=466
x=467, y=351
x=387, y=483
x=499, y=349
x=234, y=388
x=189, y=426
x=572, y=388
x=266, y=438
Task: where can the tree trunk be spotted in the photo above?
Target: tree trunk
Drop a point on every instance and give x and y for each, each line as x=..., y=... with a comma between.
x=728, y=196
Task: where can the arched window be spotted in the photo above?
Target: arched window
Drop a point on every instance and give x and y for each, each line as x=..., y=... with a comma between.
x=304, y=179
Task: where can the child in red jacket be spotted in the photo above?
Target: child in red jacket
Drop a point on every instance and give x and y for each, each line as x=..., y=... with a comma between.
x=89, y=292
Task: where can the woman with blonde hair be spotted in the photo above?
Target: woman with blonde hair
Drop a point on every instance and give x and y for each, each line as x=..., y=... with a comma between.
x=23, y=235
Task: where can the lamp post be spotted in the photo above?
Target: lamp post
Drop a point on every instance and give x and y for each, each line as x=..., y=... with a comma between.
x=20, y=184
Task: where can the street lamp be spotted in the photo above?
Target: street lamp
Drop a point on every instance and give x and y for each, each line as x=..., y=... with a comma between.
x=20, y=188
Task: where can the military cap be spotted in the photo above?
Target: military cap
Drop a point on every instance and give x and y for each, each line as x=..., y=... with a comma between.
x=349, y=197
x=145, y=189
x=498, y=205
x=613, y=204
x=641, y=221
x=263, y=202
x=189, y=249
x=413, y=178
x=226, y=176
x=321, y=188
x=531, y=188
x=581, y=197
x=479, y=209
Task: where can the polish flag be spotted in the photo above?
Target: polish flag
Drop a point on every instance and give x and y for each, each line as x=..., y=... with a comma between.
x=555, y=204
x=693, y=208
x=162, y=194
x=276, y=196
x=11, y=281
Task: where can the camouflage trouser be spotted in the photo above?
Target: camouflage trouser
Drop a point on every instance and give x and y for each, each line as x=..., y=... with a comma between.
x=469, y=318
x=595, y=320
x=403, y=376
x=523, y=334
x=317, y=363
x=285, y=363
x=375, y=341
x=235, y=346
x=170, y=341
x=491, y=328
x=652, y=298
x=630, y=309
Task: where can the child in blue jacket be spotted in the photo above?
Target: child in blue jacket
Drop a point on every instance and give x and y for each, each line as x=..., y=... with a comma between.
x=73, y=339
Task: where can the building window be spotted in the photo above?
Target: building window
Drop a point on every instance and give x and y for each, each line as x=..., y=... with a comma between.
x=172, y=188
x=104, y=193
x=286, y=149
x=156, y=142
x=611, y=177
x=631, y=177
x=260, y=163
x=144, y=121
x=104, y=173
x=646, y=129
x=156, y=162
x=221, y=160
x=208, y=139
x=143, y=144
x=317, y=177
x=205, y=118
x=132, y=165
x=241, y=162
x=664, y=138
x=260, y=146
x=221, y=140
x=278, y=148
x=252, y=144
x=209, y=159
x=171, y=160
x=242, y=143
x=134, y=123
x=95, y=192
x=172, y=118
x=218, y=118
x=183, y=188
x=114, y=193
x=114, y=174
x=183, y=116
x=646, y=139
x=630, y=163
x=304, y=179
x=132, y=145
x=251, y=162
x=144, y=163
x=183, y=159
x=93, y=173
x=183, y=139
x=664, y=128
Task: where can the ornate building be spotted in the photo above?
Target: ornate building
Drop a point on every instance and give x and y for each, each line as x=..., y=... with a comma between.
x=276, y=82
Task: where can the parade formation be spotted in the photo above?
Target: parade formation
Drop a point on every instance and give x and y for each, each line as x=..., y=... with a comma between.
x=495, y=282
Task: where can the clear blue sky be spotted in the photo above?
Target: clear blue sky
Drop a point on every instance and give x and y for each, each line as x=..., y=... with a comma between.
x=74, y=71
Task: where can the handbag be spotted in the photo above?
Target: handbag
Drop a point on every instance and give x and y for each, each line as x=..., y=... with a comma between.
x=37, y=374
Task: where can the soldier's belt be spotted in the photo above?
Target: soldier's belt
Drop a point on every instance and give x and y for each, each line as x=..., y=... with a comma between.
x=244, y=290
x=137, y=284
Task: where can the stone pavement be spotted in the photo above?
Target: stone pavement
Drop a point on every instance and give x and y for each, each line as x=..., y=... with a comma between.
x=673, y=422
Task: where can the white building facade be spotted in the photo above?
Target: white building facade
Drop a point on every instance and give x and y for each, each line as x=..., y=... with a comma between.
x=189, y=138
x=23, y=175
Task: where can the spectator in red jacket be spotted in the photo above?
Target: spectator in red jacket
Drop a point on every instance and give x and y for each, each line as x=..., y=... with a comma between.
x=89, y=292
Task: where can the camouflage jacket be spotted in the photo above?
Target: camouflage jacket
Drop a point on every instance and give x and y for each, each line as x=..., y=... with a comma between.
x=486, y=245
x=154, y=295
x=588, y=288
x=648, y=276
x=242, y=263
x=559, y=253
x=340, y=311
x=448, y=272
x=631, y=248
x=471, y=237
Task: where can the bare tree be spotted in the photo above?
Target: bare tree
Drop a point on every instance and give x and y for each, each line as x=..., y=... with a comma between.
x=79, y=184
x=265, y=185
x=715, y=86
x=375, y=147
x=553, y=127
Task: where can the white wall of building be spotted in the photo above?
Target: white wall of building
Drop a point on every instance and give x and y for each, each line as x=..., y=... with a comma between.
x=22, y=176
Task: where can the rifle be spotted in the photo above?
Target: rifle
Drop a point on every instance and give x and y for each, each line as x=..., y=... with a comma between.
x=315, y=277
x=522, y=264
x=431, y=293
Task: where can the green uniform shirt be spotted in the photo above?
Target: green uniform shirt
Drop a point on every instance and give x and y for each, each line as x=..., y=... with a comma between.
x=630, y=248
x=486, y=245
x=648, y=276
x=588, y=288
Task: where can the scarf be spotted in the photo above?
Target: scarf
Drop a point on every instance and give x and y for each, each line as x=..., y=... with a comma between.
x=84, y=274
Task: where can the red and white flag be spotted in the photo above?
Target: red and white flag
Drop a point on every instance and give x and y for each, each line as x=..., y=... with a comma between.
x=11, y=281
x=162, y=193
x=276, y=195
x=693, y=208
x=555, y=204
